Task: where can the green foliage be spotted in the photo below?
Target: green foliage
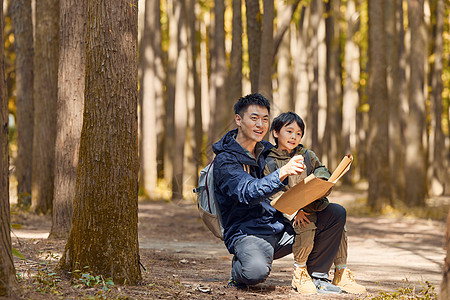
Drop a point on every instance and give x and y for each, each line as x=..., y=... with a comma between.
x=16, y=253
x=46, y=279
x=426, y=292
x=84, y=279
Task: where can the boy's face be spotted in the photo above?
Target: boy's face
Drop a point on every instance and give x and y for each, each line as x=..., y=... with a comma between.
x=289, y=136
x=254, y=123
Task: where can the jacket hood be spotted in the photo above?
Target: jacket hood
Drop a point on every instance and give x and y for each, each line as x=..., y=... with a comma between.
x=229, y=144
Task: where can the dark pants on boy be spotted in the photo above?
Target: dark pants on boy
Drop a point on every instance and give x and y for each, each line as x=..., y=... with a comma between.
x=254, y=255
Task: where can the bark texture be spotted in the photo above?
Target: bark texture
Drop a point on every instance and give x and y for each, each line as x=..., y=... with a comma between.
x=104, y=232
x=378, y=159
x=45, y=97
x=23, y=46
x=254, y=24
x=267, y=51
x=7, y=272
x=69, y=120
x=415, y=153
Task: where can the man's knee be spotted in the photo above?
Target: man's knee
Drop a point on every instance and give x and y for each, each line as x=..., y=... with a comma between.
x=255, y=272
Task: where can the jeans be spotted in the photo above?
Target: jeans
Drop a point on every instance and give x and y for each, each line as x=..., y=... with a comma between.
x=254, y=254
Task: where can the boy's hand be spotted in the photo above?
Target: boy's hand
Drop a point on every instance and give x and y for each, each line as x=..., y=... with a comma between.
x=300, y=218
x=293, y=167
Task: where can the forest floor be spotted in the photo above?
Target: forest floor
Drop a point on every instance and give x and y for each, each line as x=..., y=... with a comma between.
x=390, y=255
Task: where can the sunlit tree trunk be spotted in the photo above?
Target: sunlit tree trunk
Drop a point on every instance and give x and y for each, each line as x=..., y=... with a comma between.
x=266, y=52
x=152, y=95
x=104, y=234
x=378, y=159
x=285, y=14
x=219, y=124
x=173, y=11
x=234, y=78
x=396, y=143
x=438, y=164
x=254, y=32
x=332, y=139
x=23, y=47
x=191, y=148
x=69, y=119
x=284, y=101
x=7, y=271
x=351, y=97
x=46, y=58
x=415, y=168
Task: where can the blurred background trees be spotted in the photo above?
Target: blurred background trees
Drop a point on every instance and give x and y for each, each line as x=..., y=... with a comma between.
x=370, y=78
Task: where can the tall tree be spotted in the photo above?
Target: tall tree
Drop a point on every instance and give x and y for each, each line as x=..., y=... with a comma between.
x=104, y=234
x=267, y=51
x=438, y=164
x=396, y=139
x=350, y=91
x=378, y=160
x=253, y=14
x=7, y=271
x=69, y=115
x=46, y=57
x=415, y=166
x=23, y=46
x=151, y=93
x=332, y=138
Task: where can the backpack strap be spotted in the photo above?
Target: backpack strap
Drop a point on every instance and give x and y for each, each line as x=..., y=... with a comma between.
x=206, y=186
x=308, y=162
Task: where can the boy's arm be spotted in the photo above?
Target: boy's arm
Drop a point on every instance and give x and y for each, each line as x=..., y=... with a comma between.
x=319, y=170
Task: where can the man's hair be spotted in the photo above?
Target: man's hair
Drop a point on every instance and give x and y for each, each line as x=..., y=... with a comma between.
x=285, y=119
x=252, y=99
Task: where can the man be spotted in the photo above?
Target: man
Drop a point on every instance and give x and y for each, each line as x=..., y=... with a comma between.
x=254, y=231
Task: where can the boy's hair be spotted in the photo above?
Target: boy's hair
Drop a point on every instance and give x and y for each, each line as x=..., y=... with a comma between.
x=285, y=119
x=252, y=99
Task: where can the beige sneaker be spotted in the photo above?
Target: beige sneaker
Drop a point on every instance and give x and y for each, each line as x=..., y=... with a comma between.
x=302, y=282
x=345, y=279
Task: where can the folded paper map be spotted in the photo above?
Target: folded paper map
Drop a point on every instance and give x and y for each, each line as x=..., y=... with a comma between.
x=310, y=189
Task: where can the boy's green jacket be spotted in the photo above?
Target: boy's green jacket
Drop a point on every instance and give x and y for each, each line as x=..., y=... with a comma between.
x=282, y=157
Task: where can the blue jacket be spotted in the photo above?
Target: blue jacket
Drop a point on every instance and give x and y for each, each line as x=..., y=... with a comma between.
x=243, y=197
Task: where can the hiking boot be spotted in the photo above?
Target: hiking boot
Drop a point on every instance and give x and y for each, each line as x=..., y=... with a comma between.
x=302, y=282
x=345, y=279
x=324, y=286
x=234, y=284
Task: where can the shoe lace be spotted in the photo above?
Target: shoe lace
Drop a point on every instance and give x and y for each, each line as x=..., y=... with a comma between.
x=304, y=276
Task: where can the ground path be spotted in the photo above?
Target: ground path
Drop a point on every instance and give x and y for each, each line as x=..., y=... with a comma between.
x=384, y=253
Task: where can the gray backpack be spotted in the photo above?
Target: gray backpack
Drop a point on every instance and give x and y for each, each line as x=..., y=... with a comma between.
x=206, y=201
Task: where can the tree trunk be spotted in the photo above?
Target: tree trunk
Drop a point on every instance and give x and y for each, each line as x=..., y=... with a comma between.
x=438, y=164
x=234, y=79
x=254, y=32
x=69, y=118
x=396, y=149
x=266, y=52
x=45, y=98
x=332, y=137
x=104, y=234
x=415, y=156
x=378, y=160
x=151, y=92
x=285, y=14
x=7, y=271
x=351, y=97
x=23, y=46
x=219, y=124
x=445, y=284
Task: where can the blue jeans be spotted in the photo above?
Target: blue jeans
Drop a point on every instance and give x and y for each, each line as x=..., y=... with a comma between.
x=254, y=254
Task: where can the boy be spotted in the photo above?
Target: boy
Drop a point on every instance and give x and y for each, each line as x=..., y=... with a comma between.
x=288, y=129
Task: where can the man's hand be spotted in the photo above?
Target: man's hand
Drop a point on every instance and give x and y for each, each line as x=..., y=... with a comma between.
x=300, y=218
x=293, y=167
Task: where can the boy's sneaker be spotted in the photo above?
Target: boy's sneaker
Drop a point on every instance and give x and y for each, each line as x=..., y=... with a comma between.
x=302, y=282
x=345, y=279
x=324, y=286
x=234, y=284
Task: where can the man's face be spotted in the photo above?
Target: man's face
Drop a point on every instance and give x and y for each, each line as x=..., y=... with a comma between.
x=254, y=124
